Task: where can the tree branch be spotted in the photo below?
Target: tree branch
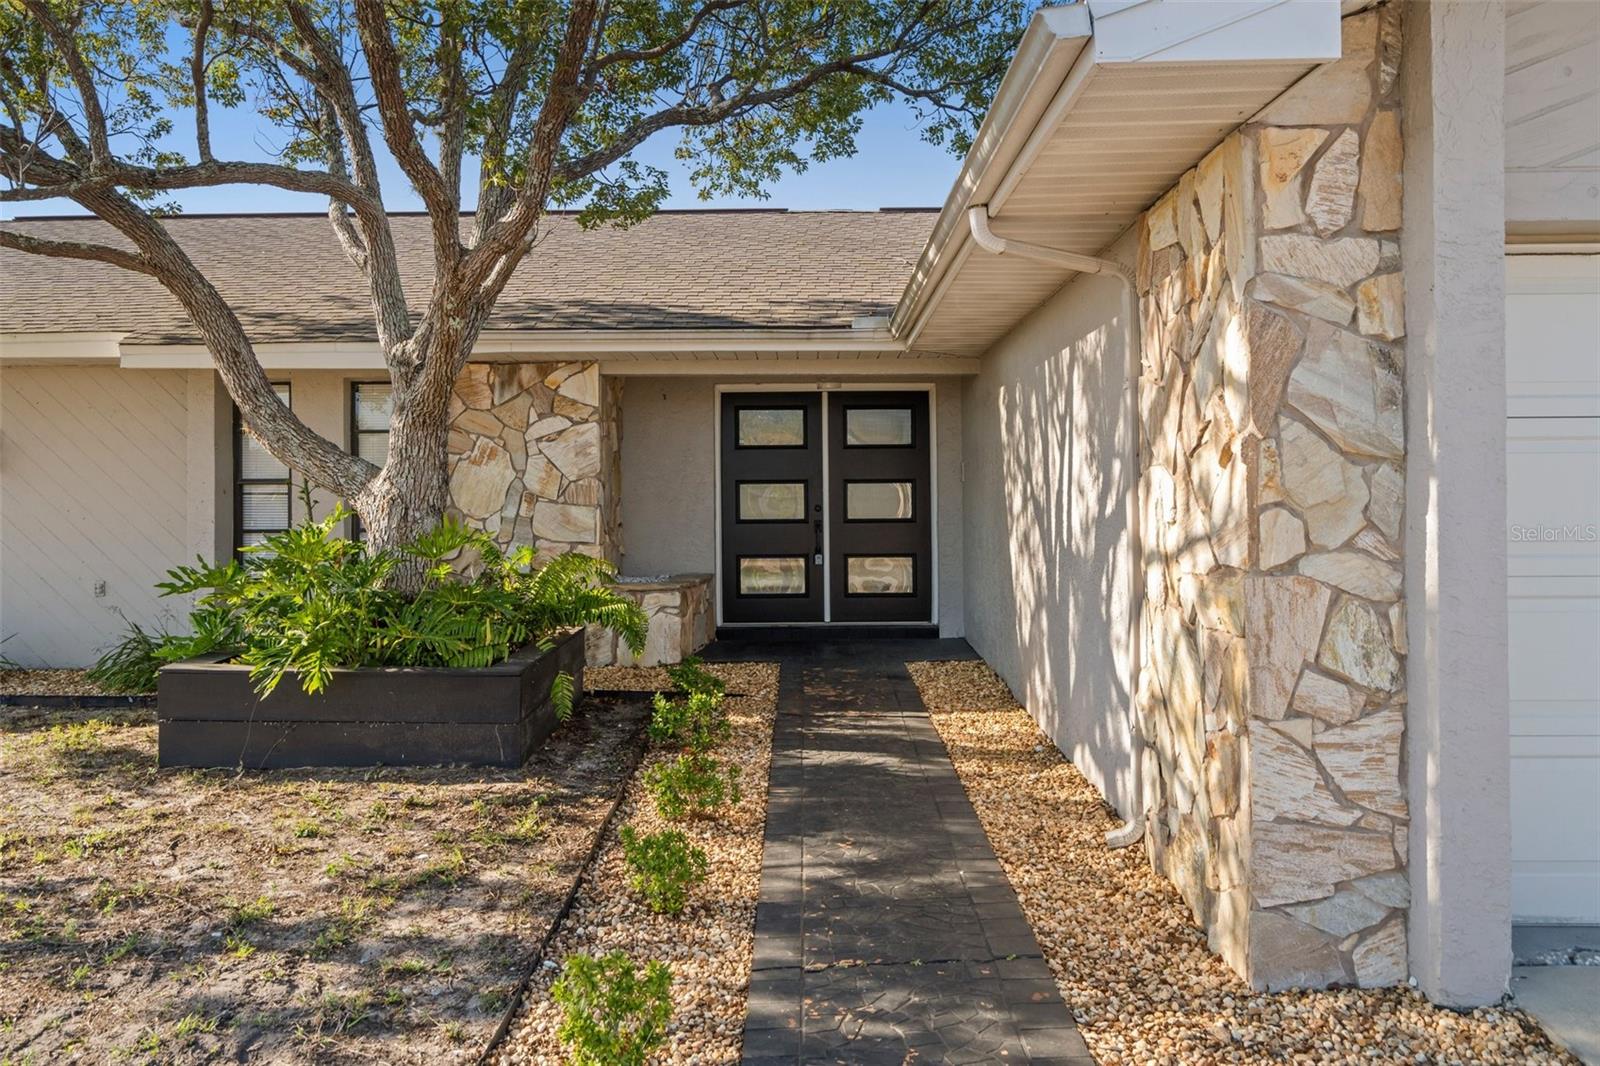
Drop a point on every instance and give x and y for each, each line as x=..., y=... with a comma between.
x=197, y=75
x=394, y=110
x=98, y=253
x=82, y=78
x=707, y=115
x=667, y=47
x=507, y=236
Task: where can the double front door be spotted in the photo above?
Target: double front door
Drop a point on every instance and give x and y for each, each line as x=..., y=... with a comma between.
x=826, y=507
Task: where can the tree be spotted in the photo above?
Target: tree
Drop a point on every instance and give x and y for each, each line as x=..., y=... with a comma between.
x=109, y=103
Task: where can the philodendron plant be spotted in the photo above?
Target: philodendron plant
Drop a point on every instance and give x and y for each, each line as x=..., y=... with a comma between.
x=308, y=602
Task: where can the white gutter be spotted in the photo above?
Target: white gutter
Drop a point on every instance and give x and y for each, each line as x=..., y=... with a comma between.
x=989, y=241
x=1060, y=62
x=1016, y=121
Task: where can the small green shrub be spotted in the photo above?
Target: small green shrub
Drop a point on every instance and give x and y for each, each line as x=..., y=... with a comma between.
x=691, y=784
x=696, y=721
x=691, y=676
x=307, y=602
x=612, y=1015
x=662, y=866
x=131, y=665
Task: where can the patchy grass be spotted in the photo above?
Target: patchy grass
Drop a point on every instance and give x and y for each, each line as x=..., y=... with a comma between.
x=290, y=916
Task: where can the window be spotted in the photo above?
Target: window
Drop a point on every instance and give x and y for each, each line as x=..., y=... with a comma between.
x=772, y=501
x=371, y=403
x=262, y=486
x=771, y=427
x=772, y=575
x=879, y=501
x=877, y=427
x=880, y=575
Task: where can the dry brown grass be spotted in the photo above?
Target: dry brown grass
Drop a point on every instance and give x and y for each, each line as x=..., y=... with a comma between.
x=287, y=916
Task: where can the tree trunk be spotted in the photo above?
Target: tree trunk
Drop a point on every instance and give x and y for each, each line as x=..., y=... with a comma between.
x=409, y=495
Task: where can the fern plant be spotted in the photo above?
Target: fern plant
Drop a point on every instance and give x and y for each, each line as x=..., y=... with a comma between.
x=308, y=602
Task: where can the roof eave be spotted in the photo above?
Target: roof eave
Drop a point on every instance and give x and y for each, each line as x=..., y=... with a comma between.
x=1220, y=35
x=869, y=338
x=1051, y=44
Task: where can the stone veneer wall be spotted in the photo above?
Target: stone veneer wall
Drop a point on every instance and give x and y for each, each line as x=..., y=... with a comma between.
x=679, y=610
x=1272, y=699
x=534, y=455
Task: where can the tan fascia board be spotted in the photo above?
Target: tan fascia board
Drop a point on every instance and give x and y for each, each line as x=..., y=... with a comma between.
x=60, y=349
x=1051, y=45
x=544, y=345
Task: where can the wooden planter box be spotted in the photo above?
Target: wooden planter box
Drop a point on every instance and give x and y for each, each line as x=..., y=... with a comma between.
x=208, y=714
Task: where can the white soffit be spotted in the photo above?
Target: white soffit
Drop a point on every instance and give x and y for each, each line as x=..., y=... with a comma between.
x=1072, y=152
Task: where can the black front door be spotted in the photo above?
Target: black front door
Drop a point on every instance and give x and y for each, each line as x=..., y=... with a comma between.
x=875, y=504
x=772, y=507
x=879, y=507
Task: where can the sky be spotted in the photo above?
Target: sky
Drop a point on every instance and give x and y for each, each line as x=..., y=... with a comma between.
x=894, y=167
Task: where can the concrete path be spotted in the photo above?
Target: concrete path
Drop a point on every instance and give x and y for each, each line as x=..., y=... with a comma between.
x=1566, y=1000
x=886, y=931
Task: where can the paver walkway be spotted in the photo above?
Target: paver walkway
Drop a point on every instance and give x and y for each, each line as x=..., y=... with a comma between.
x=886, y=931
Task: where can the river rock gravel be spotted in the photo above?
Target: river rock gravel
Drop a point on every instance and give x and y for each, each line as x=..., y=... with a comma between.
x=1124, y=949
x=48, y=682
x=709, y=945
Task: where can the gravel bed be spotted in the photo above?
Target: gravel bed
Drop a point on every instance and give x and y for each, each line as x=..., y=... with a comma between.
x=49, y=683
x=742, y=679
x=1125, y=952
x=709, y=945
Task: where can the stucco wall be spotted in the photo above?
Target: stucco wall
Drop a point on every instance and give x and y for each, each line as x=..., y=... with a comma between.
x=1046, y=570
x=669, y=481
x=669, y=477
x=95, y=467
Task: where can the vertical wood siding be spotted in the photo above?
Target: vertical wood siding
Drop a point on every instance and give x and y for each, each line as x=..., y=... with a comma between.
x=93, y=475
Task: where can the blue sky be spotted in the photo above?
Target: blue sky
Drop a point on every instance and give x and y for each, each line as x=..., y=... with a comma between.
x=893, y=168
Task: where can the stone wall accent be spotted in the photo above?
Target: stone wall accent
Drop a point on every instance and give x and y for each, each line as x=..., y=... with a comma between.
x=679, y=609
x=534, y=455
x=1272, y=697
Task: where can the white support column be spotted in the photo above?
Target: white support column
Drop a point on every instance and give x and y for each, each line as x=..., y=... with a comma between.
x=1457, y=728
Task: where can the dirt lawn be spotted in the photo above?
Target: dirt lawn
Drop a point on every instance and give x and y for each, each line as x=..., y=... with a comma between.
x=291, y=916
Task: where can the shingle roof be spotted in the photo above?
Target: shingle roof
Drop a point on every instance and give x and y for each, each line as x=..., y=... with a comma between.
x=288, y=280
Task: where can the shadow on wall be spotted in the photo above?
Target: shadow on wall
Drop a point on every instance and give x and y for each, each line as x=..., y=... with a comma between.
x=1049, y=610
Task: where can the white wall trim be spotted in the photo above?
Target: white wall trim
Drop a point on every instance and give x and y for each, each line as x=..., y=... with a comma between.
x=689, y=365
x=24, y=349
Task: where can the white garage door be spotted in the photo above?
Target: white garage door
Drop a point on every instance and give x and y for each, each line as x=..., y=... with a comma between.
x=1553, y=528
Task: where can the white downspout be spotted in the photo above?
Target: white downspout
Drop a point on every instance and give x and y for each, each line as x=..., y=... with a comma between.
x=989, y=241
